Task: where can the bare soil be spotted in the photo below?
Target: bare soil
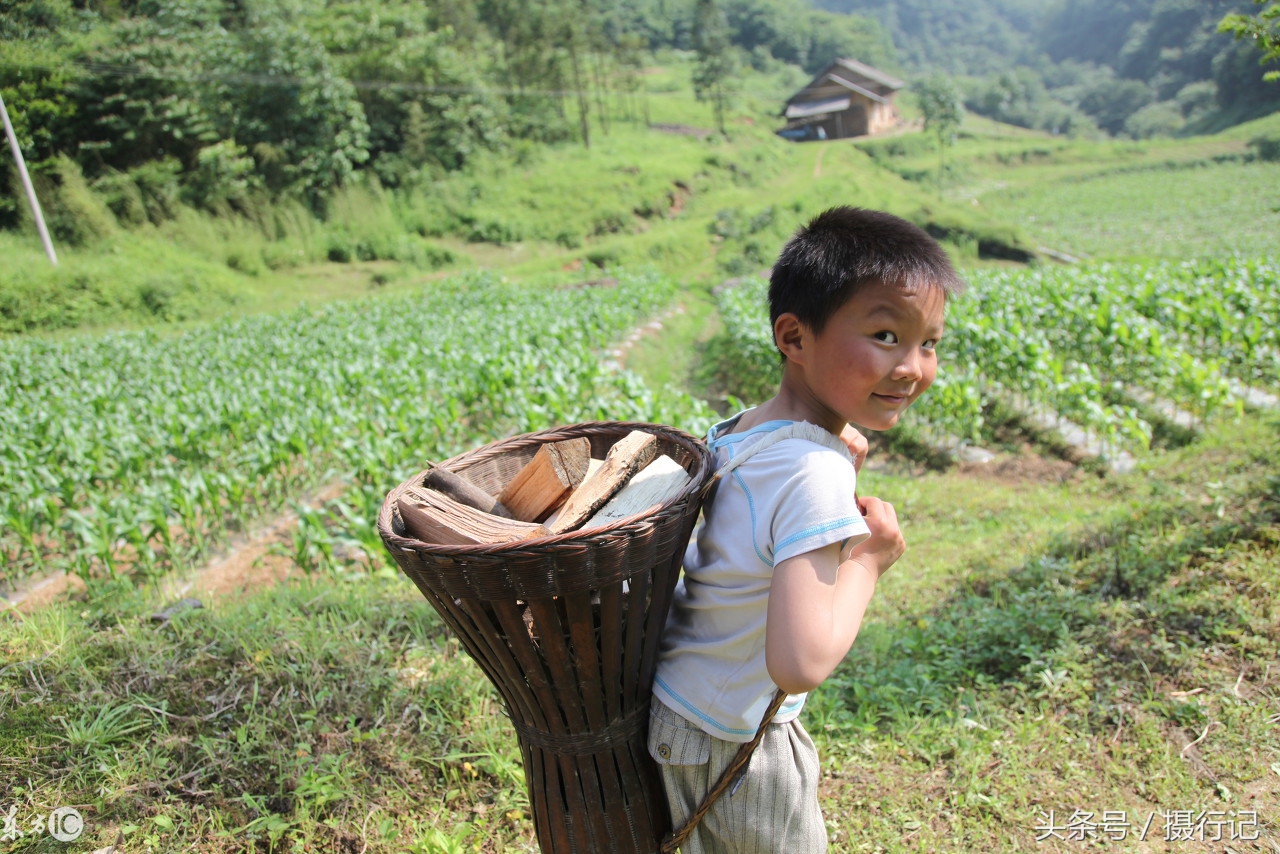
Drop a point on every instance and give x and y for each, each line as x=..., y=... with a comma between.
x=248, y=563
x=1025, y=466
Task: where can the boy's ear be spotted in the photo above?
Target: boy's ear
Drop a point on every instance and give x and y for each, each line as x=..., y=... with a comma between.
x=790, y=336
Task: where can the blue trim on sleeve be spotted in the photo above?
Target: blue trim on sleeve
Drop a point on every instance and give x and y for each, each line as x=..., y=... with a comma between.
x=813, y=531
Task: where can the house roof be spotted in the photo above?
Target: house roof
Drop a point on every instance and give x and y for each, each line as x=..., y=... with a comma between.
x=805, y=109
x=840, y=81
x=871, y=73
x=853, y=76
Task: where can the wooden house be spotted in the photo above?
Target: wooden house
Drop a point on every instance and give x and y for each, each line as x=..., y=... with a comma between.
x=845, y=99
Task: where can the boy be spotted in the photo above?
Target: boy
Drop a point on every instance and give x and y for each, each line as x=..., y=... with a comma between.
x=777, y=581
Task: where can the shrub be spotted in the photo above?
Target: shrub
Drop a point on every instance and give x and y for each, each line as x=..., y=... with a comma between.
x=75, y=214
x=1266, y=147
x=611, y=222
x=602, y=258
x=122, y=196
x=568, y=239
x=223, y=176
x=1163, y=118
x=495, y=231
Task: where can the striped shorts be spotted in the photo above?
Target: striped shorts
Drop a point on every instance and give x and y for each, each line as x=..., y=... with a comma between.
x=773, y=809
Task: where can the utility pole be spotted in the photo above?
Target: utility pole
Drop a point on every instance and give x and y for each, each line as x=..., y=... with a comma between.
x=26, y=183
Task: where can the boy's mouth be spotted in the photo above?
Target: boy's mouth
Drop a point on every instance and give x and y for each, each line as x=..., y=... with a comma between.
x=892, y=398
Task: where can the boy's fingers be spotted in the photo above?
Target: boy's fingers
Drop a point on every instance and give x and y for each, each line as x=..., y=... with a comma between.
x=870, y=505
x=857, y=445
x=880, y=515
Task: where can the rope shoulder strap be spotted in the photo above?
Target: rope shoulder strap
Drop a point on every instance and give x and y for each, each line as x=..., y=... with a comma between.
x=734, y=770
x=793, y=430
x=728, y=777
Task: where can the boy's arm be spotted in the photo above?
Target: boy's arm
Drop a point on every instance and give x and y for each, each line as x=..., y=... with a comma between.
x=816, y=601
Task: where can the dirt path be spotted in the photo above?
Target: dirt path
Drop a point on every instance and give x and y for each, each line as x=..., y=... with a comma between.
x=250, y=563
x=247, y=563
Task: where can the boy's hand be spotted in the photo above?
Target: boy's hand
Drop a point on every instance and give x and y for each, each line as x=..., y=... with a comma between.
x=857, y=444
x=886, y=544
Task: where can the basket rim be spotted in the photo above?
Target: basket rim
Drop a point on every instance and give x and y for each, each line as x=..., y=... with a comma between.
x=569, y=540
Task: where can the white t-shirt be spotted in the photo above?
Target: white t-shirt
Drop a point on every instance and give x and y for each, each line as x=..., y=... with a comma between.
x=789, y=498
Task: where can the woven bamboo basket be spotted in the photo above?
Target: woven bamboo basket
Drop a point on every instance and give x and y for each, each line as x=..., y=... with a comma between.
x=567, y=629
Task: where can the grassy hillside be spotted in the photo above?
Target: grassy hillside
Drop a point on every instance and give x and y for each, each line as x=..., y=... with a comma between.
x=666, y=198
x=673, y=195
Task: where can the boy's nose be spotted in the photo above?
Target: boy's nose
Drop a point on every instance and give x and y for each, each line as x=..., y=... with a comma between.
x=909, y=367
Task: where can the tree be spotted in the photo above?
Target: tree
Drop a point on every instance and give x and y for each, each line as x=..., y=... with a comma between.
x=1263, y=28
x=943, y=110
x=714, y=66
x=1110, y=101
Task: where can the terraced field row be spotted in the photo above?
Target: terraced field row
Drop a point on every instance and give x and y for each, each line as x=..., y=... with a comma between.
x=134, y=452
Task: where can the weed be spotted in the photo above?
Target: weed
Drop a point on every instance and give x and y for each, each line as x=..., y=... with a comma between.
x=92, y=732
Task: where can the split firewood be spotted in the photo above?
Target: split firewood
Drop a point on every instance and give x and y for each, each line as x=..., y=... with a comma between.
x=546, y=481
x=593, y=466
x=434, y=517
x=659, y=482
x=464, y=491
x=630, y=454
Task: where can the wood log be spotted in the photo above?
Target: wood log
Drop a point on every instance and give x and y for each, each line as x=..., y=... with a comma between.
x=546, y=481
x=593, y=466
x=434, y=517
x=628, y=455
x=462, y=490
x=657, y=483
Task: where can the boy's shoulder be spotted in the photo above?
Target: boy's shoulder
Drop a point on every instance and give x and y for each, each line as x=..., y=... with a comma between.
x=775, y=442
x=793, y=490
x=761, y=436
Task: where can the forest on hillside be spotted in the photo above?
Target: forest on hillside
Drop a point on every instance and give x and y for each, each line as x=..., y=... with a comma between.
x=206, y=101
x=150, y=105
x=1127, y=67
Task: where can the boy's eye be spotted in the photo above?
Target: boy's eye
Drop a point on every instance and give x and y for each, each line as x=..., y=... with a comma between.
x=930, y=344
x=886, y=336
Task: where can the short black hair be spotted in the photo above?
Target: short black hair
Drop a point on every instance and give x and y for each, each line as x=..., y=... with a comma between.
x=844, y=248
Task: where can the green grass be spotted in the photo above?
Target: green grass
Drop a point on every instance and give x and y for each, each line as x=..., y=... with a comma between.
x=1003, y=671
x=1198, y=209
x=321, y=713
x=1167, y=199
x=1068, y=660
x=672, y=355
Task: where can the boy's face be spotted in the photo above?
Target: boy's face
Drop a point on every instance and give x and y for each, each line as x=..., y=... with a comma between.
x=876, y=354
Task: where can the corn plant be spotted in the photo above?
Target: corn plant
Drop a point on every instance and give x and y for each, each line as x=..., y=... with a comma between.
x=137, y=451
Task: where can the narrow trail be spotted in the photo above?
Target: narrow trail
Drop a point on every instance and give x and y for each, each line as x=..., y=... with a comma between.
x=249, y=563
x=245, y=564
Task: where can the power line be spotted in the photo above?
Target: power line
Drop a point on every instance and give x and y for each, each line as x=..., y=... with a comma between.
x=101, y=69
